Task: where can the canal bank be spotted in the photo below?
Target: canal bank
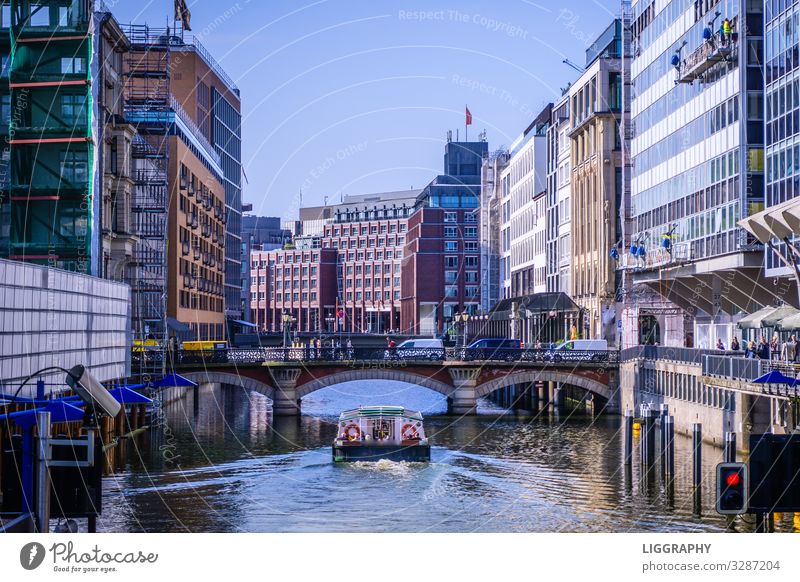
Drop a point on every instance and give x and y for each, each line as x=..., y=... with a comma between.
x=709, y=387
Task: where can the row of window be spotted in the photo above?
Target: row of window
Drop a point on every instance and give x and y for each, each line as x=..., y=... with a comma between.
x=451, y=262
x=469, y=291
x=364, y=229
x=363, y=243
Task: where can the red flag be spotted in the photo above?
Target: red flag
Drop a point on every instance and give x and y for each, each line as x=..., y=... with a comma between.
x=469, y=116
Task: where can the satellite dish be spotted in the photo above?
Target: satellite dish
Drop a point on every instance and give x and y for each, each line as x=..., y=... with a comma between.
x=91, y=391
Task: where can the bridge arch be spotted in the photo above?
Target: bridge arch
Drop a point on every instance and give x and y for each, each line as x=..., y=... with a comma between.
x=545, y=376
x=374, y=374
x=215, y=377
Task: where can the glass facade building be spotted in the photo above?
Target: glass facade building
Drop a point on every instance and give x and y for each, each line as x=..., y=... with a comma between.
x=782, y=111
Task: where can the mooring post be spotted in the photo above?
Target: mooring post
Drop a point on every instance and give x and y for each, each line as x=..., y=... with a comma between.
x=42, y=472
x=730, y=447
x=669, y=446
x=697, y=466
x=628, y=456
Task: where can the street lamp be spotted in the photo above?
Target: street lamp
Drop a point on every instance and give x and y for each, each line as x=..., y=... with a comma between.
x=287, y=320
x=461, y=320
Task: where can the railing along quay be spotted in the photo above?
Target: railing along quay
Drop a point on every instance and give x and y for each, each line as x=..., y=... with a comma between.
x=372, y=354
x=723, y=364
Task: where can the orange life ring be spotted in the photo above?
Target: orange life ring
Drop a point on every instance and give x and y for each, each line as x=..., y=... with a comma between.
x=352, y=432
x=409, y=432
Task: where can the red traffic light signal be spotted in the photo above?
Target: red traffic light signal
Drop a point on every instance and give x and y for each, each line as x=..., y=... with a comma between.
x=732, y=488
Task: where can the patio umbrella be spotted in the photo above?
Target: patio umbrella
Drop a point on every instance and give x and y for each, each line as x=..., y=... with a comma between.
x=774, y=377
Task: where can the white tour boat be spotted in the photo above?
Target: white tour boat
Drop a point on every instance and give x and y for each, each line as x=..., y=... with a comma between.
x=372, y=433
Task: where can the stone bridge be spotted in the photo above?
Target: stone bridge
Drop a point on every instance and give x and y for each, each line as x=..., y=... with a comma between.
x=286, y=383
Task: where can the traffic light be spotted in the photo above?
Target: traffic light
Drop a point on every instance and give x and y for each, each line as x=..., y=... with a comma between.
x=732, y=488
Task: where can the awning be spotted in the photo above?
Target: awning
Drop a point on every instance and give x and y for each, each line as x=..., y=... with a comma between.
x=753, y=321
x=790, y=323
x=243, y=323
x=779, y=314
x=779, y=221
x=176, y=325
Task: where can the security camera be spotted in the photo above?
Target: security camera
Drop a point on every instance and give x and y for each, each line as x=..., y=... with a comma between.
x=91, y=391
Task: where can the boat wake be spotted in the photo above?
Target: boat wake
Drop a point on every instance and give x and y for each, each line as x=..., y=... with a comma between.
x=385, y=466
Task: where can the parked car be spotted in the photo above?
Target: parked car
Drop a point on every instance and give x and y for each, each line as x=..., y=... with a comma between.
x=418, y=349
x=493, y=348
x=575, y=350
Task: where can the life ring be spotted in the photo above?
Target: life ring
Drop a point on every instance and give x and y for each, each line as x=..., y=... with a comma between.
x=409, y=432
x=352, y=432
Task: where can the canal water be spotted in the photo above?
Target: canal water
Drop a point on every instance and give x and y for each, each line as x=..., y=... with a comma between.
x=223, y=464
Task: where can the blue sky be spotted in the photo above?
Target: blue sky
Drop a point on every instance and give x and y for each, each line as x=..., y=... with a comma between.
x=352, y=96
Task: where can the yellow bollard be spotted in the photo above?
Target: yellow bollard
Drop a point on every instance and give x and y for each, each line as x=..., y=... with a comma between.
x=797, y=522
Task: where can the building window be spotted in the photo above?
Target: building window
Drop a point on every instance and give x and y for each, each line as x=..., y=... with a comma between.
x=73, y=65
x=450, y=277
x=451, y=291
x=74, y=166
x=471, y=231
x=451, y=262
x=471, y=246
x=470, y=261
x=451, y=246
x=450, y=217
x=470, y=217
x=450, y=231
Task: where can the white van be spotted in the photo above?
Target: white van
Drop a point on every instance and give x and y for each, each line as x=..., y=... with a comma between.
x=584, y=345
x=576, y=351
x=418, y=349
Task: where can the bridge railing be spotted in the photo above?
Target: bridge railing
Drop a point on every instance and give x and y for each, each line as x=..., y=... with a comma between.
x=259, y=355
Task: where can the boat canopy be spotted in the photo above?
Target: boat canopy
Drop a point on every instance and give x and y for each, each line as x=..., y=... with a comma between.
x=371, y=411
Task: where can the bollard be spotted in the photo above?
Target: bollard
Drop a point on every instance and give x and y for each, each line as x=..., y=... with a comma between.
x=730, y=447
x=697, y=454
x=42, y=472
x=628, y=455
x=663, y=412
x=669, y=449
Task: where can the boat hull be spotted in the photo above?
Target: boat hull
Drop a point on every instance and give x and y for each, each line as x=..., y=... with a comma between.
x=408, y=453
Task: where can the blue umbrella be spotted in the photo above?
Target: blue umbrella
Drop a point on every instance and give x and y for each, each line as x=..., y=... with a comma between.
x=175, y=380
x=774, y=377
x=59, y=410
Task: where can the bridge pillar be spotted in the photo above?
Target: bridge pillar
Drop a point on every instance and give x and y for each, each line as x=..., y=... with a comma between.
x=557, y=399
x=544, y=399
x=463, y=399
x=285, y=402
x=614, y=404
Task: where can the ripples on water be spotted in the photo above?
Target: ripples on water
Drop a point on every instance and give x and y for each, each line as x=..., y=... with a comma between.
x=241, y=470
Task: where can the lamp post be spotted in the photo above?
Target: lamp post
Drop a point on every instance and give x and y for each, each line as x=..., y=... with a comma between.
x=465, y=318
x=286, y=319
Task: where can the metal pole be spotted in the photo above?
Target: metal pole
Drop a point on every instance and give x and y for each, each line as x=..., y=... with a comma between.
x=697, y=456
x=697, y=466
x=42, y=472
x=663, y=412
x=730, y=447
x=669, y=450
x=628, y=458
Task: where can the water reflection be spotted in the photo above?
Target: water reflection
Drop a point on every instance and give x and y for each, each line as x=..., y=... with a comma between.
x=238, y=469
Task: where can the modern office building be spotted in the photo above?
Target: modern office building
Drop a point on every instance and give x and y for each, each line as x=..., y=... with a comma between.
x=182, y=194
x=262, y=233
x=489, y=225
x=698, y=162
x=559, y=249
x=211, y=100
x=524, y=179
x=596, y=184
x=441, y=263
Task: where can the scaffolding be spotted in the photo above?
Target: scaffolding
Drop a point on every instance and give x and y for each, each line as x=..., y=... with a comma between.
x=53, y=208
x=148, y=107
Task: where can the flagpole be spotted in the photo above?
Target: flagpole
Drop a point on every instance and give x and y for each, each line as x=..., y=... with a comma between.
x=466, y=124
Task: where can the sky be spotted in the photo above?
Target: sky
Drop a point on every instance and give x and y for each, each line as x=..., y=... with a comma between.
x=353, y=97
